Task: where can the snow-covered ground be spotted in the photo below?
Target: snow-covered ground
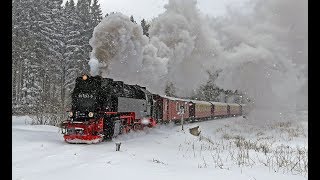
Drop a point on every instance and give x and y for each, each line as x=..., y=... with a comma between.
x=233, y=148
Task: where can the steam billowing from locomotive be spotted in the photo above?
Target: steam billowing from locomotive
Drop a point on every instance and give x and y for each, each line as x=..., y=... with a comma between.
x=122, y=52
x=262, y=52
x=265, y=53
x=178, y=49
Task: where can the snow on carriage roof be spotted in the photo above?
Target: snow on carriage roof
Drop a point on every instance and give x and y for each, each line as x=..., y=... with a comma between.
x=174, y=98
x=233, y=104
x=192, y=100
x=218, y=103
x=201, y=102
x=179, y=99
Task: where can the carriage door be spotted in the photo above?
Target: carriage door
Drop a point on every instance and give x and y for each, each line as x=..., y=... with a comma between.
x=158, y=108
x=167, y=108
x=212, y=110
x=192, y=111
x=228, y=110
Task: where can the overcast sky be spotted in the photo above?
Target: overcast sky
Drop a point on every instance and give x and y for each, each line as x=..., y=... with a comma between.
x=152, y=8
x=149, y=9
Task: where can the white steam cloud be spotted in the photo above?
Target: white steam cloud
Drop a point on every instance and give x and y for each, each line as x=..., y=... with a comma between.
x=262, y=53
x=124, y=53
x=265, y=53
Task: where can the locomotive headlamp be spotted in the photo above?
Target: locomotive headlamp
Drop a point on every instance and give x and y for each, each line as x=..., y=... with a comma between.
x=84, y=77
x=90, y=114
x=70, y=114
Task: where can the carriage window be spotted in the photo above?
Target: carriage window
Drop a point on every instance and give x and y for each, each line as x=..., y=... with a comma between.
x=182, y=107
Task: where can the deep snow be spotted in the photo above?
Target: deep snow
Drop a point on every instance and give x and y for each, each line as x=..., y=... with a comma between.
x=39, y=152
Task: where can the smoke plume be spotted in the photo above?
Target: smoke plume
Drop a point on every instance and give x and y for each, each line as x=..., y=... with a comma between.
x=265, y=53
x=261, y=51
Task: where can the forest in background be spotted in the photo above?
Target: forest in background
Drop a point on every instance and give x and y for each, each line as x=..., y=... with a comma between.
x=50, y=48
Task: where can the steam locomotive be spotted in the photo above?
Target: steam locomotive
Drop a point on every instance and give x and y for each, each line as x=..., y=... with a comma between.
x=102, y=108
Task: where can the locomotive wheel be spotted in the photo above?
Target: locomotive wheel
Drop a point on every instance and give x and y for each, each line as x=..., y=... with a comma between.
x=137, y=127
x=126, y=129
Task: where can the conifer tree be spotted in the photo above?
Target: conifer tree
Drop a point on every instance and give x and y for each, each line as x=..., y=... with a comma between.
x=96, y=13
x=20, y=50
x=170, y=90
x=132, y=19
x=72, y=62
x=29, y=52
x=145, y=27
x=50, y=47
x=85, y=30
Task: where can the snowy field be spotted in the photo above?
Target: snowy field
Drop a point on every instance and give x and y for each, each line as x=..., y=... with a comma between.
x=233, y=149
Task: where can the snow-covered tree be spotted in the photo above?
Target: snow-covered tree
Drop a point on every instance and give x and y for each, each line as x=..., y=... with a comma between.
x=96, y=13
x=72, y=61
x=26, y=56
x=132, y=19
x=50, y=48
x=170, y=89
x=209, y=91
x=85, y=32
x=20, y=40
x=145, y=27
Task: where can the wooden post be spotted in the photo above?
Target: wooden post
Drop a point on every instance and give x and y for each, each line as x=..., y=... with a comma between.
x=118, y=146
x=182, y=122
x=181, y=113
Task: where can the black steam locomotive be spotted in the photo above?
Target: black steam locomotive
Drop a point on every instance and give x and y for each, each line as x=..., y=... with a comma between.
x=94, y=94
x=102, y=107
